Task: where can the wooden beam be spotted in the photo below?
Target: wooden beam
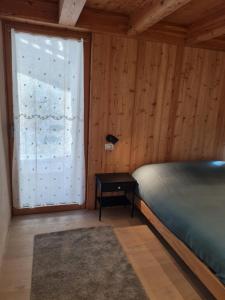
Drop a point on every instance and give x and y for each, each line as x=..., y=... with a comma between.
x=95, y=20
x=207, y=29
x=69, y=11
x=215, y=44
x=165, y=33
x=152, y=13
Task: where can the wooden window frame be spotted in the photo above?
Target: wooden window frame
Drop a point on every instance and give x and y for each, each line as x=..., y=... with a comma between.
x=7, y=26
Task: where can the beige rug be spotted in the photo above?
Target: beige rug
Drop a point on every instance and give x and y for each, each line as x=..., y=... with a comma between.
x=86, y=263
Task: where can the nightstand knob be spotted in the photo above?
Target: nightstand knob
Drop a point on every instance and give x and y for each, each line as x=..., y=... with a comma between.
x=119, y=187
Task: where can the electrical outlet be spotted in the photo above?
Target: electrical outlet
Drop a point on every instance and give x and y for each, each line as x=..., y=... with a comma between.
x=109, y=147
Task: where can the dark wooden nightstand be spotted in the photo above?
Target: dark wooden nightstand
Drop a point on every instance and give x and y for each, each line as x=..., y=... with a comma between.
x=114, y=182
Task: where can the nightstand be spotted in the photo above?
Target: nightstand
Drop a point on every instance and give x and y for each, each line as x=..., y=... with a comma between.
x=114, y=182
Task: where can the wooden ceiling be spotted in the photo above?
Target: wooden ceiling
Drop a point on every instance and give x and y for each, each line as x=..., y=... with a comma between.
x=197, y=23
x=194, y=11
x=126, y=7
x=186, y=15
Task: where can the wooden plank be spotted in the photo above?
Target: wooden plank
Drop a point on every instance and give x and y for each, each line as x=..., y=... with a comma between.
x=188, y=100
x=152, y=13
x=161, y=276
x=193, y=262
x=69, y=11
x=207, y=29
x=125, y=7
x=174, y=102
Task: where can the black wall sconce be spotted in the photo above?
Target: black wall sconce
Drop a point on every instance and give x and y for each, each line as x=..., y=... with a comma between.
x=111, y=139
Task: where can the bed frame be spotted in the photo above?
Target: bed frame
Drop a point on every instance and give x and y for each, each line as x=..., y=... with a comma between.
x=192, y=261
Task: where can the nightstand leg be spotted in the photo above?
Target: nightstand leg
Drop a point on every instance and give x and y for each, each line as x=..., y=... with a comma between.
x=100, y=211
x=96, y=194
x=132, y=206
x=100, y=207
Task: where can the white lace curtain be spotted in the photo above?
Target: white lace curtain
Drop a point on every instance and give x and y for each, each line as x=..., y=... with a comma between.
x=48, y=96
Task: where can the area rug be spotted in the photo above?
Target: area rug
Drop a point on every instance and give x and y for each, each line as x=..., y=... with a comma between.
x=83, y=264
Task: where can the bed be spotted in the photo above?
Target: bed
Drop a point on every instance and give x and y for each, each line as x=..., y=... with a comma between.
x=185, y=201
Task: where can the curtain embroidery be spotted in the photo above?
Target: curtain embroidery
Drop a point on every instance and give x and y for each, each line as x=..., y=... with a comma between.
x=48, y=116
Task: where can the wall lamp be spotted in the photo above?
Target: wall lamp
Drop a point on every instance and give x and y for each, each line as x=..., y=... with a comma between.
x=112, y=140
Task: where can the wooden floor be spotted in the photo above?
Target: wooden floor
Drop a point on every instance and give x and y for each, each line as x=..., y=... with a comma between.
x=159, y=272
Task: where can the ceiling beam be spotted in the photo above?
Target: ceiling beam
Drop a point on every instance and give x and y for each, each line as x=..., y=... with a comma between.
x=152, y=13
x=207, y=29
x=95, y=20
x=69, y=11
x=165, y=33
x=215, y=44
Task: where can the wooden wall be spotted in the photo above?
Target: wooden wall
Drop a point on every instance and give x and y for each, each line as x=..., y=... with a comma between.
x=164, y=102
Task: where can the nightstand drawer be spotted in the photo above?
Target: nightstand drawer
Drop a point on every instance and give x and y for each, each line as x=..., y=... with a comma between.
x=116, y=187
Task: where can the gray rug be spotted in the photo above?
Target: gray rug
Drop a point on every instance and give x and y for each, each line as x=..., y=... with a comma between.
x=86, y=263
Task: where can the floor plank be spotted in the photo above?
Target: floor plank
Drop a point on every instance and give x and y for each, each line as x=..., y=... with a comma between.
x=156, y=268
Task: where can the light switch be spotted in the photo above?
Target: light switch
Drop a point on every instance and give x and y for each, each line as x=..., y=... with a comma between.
x=109, y=147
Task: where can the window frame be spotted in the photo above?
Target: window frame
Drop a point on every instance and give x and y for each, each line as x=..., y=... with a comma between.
x=56, y=32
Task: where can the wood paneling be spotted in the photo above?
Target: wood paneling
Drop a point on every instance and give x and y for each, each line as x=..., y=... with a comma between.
x=201, y=92
x=111, y=106
x=153, y=100
x=164, y=102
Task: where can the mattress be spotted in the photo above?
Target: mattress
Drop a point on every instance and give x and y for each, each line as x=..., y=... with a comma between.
x=189, y=199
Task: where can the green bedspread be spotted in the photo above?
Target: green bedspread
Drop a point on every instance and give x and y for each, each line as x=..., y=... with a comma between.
x=189, y=198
